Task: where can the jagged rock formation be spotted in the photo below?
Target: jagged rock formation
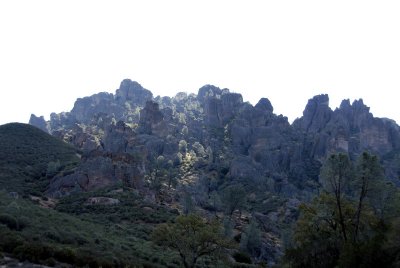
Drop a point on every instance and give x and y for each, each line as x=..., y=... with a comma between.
x=39, y=122
x=214, y=139
x=251, y=142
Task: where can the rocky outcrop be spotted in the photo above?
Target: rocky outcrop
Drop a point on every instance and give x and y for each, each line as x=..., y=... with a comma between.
x=101, y=200
x=88, y=108
x=133, y=93
x=264, y=105
x=220, y=106
x=152, y=120
x=39, y=122
x=316, y=114
x=351, y=128
x=98, y=170
x=251, y=141
x=118, y=137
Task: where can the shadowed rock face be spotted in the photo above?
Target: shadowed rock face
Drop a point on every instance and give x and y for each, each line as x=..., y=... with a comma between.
x=97, y=170
x=132, y=92
x=350, y=128
x=316, y=115
x=118, y=137
x=250, y=141
x=152, y=120
x=39, y=122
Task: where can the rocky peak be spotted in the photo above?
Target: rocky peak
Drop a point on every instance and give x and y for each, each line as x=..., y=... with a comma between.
x=345, y=104
x=133, y=92
x=39, y=122
x=265, y=105
x=208, y=91
x=86, y=108
x=231, y=103
x=316, y=114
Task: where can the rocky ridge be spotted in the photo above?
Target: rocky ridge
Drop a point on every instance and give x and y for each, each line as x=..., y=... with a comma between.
x=202, y=143
x=250, y=141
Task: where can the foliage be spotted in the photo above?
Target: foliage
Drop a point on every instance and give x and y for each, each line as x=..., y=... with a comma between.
x=192, y=237
x=242, y=257
x=233, y=198
x=93, y=236
x=187, y=203
x=25, y=156
x=342, y=226
x=251, y=239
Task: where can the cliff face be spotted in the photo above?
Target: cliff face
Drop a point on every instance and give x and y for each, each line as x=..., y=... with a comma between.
x=250, y=143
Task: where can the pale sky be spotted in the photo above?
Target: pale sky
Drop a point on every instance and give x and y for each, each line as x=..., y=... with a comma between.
x=52, y=52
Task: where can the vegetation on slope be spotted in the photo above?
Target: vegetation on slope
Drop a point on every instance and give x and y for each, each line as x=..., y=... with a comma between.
x=354, y=222
x=29, y=157
x=42, y=235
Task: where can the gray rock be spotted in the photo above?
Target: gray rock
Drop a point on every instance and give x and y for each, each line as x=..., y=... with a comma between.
x=132, y=92
x=39, y=122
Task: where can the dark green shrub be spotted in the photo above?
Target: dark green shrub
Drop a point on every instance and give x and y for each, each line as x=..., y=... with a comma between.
x=33, y=252
x=9, y=221
x=50, y=262
x=242, y=257
x=9, y=242
x=53, y=235
x=66, y=255
x=23, y=222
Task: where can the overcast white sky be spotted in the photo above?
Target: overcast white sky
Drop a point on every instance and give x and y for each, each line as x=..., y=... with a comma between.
x=52, y=52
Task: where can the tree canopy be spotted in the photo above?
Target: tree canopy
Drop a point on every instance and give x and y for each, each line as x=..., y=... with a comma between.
x=192, y=237
x=345, y=226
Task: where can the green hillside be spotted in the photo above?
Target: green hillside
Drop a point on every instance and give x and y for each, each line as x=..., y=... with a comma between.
x=113, y=236
x=29, y=157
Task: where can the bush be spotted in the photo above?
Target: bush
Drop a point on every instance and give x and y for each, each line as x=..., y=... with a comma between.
x=242, y=257
x=9, y=242
x=9, y=221
x=65, y=255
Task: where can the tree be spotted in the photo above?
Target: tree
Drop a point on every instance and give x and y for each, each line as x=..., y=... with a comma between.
x=185, y=131
x=53, y=168
x=335, y=177
x=172, y=173
x=182, y=146
x=317, y=237
x=192, y=237
x=343, y=226
x=251, y=239
x=369, y=176
x=233, y=198
x=157, y=174
x=187, y=203
x=210, y=155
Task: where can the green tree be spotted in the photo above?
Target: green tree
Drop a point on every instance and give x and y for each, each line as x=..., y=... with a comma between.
x=187, y=203
x=192, y=237
x=343, y=227
x=53, y=168
x=185, y=131
x=335, y=177
x=251, y=239
x=369, y=178
x=233, y=198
